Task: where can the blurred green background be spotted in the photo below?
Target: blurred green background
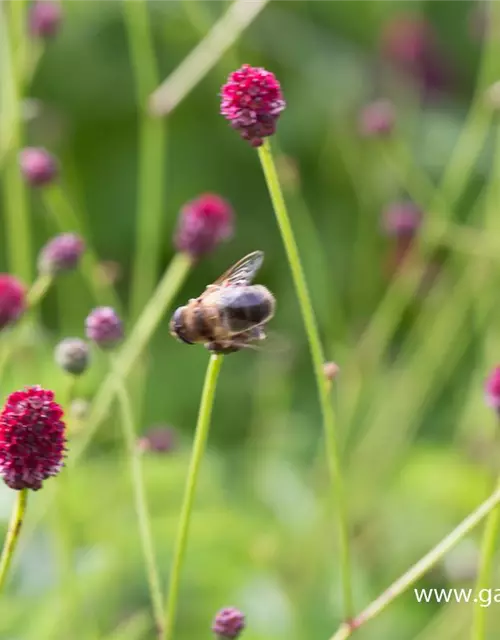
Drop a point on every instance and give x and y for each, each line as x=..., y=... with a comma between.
x=417, y=439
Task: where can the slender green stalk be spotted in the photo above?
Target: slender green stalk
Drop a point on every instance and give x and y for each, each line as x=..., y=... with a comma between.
x=13, y=532
x=141, y=506
x=38, y=290
x=19, y=250
x=151, y=178
x=200, y=440
x=332, y=449
x=409, y=578
x=65, y=219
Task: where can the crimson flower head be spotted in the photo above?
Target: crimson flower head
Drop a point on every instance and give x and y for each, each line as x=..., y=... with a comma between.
x=45, y=18
x=377, y=119
x=228, y=623
x=37, y=166
x=62, y=253
x=203, y=224
x=12, y=299
x=104, y=327
x=410, y=43
x=402, y=219
x=492, y=389
x=32, y=438
x=252, y=103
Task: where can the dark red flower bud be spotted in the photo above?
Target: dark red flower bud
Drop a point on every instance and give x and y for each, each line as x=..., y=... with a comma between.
x=203, y=224
x=252, y=102
x=62, y=253
x=12, y=299
x=402, y=219
x=377, y=118
x=158, y=439
x=411, y=44
x=228, y=623
x=45, y=18
x=72, y=355
x=104, y=327
x=37, y=166
x=492, y=389
x=32, y=438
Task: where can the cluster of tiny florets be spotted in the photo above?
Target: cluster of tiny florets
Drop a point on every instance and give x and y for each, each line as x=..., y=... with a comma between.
x=203, y=224
x=160, y=439
x=32, y=438
x=228, y=623
x=104, y=327
x=492, y=389
x=72, y=355
x=402, y=219
x=38, y=166
x=12, y=299
x=45, y=18
x=252, y=103
x=62, y=253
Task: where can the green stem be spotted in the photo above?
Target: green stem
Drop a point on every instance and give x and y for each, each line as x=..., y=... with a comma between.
x=19, y=250
x=38, y=290
x=15, y=524
x=329, y=426
x=141, y=507
x=409, y=578
x=65, y=219
x=149, y=214
x=200, y=440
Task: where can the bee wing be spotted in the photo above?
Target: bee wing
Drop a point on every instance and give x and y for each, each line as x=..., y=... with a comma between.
x=243, y=272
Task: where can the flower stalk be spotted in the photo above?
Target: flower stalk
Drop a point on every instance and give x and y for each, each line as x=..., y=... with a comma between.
x=329, y=425
x=200, y=440
x=13, y=532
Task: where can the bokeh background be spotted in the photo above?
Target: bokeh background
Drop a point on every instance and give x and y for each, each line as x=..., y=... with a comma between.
x=418, y=442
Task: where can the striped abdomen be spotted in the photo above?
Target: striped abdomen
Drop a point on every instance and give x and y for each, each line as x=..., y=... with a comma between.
x=245, y=307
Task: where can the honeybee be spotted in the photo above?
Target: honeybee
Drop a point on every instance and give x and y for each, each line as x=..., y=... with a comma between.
x=230, y=313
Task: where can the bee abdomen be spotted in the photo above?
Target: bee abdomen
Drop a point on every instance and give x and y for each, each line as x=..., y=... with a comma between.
x=247, y=307
x=202, y=325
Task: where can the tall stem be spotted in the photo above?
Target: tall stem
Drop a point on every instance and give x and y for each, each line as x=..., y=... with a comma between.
x=200, y=440
x=409, y=578
x=149, y=211
x=13, y=532
x=141, y=507
x=329, y=423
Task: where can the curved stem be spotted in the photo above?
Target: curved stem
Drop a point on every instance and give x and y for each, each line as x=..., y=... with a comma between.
x=141, y=507
x=38, y=290
x=415, y=572
x=15, y=524
x=200, y=440
x=329, y=426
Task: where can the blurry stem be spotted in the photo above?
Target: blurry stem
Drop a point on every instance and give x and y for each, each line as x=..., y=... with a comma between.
x=141, y=506
x=65, y=219
x=38, y=289
x=13, y=531
x=408, y=579
x=329, y=426
x=149, y=212
x=16, y=210
x=200, y=440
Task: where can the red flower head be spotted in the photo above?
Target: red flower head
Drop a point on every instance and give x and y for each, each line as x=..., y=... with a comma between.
x=32, y=439
x=62, y=253
x=377, y=118
x=45, y=18
x=411, y=43
x=203, y=224
x=252, y=102
x=12, y=299
x=37, y=166
x=228, y=623
x=492, y=389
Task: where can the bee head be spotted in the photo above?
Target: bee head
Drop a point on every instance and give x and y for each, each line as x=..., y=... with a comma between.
x=177, y=326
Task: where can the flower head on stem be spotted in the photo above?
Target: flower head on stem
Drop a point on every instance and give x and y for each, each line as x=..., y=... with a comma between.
x=38, y=167
x=12, y=299
x=228, y=623
x=104, y=327
x=62, y=253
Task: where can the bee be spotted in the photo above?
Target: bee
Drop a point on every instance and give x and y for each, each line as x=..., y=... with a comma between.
x=231, y=313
